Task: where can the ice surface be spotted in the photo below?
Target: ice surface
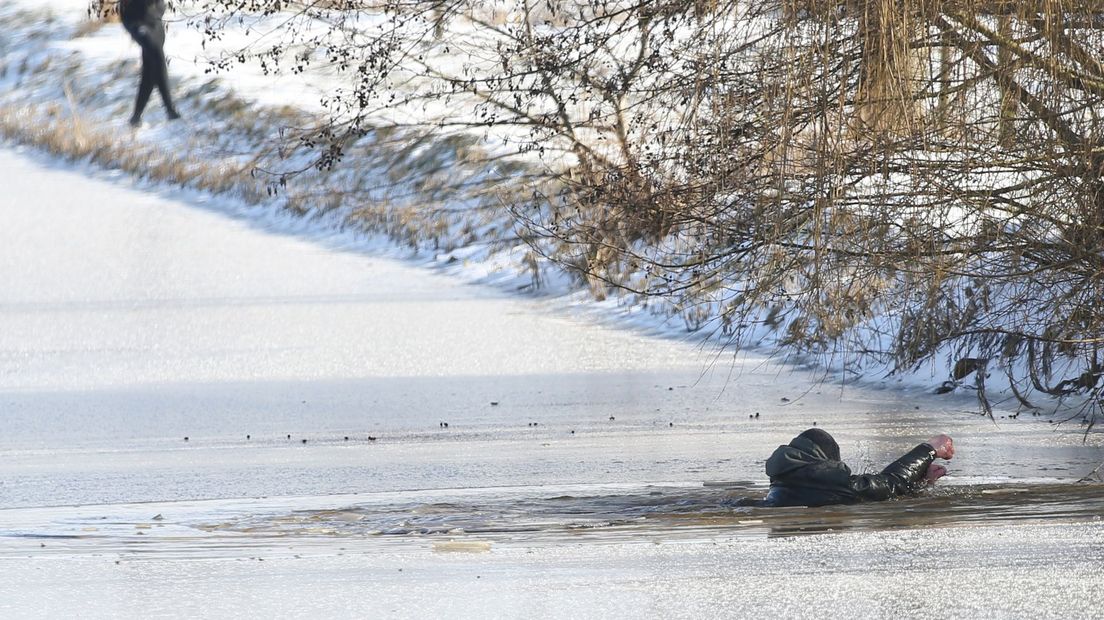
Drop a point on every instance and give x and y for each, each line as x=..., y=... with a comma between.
x=133, y=320
x=130, y=320
x=990, y=573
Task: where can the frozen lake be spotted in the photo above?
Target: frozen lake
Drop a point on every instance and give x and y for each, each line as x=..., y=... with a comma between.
x=131, y=320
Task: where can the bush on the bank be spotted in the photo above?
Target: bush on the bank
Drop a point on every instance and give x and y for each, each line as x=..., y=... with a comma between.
x=879, y=180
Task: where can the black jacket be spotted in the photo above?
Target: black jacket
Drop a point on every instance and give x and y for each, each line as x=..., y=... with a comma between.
x=802, y=475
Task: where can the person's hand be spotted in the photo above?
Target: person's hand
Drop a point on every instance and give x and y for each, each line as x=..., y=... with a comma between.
x=935, y=472
x=943, y=445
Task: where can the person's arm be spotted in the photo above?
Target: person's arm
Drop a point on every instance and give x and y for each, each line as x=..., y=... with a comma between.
x=902, y=477
x=907, y=474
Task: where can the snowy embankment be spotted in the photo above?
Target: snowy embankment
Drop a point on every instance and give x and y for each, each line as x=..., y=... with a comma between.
x=68, y=87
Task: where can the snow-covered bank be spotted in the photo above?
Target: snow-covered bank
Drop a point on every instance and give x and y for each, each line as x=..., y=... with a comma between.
x=68, y=86
x=68, y=89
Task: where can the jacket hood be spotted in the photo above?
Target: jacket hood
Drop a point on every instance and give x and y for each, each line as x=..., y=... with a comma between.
x=801, y=452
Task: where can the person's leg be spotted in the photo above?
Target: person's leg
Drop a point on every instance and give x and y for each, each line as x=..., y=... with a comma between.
x=145, y=87
x=160, y=69
x=138, y=32
x=151, y=37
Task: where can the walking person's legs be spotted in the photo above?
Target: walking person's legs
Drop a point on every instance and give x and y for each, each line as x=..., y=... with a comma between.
x=159, y=68
x=151, y=37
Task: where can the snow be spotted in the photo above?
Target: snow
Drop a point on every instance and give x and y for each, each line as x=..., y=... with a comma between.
x=136, y=315
x=177, y=297
x=136, y=319
x=489, y=255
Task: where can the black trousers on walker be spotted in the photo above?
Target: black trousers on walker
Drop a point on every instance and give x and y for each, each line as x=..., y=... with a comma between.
x=150, y=34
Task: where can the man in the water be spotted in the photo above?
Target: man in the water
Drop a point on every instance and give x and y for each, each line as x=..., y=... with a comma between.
x=808, y=472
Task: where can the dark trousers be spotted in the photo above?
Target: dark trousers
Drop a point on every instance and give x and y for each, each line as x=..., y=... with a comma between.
x=150, y=34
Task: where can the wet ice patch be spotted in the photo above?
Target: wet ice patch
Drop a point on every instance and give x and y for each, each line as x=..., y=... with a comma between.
x=671, y=513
